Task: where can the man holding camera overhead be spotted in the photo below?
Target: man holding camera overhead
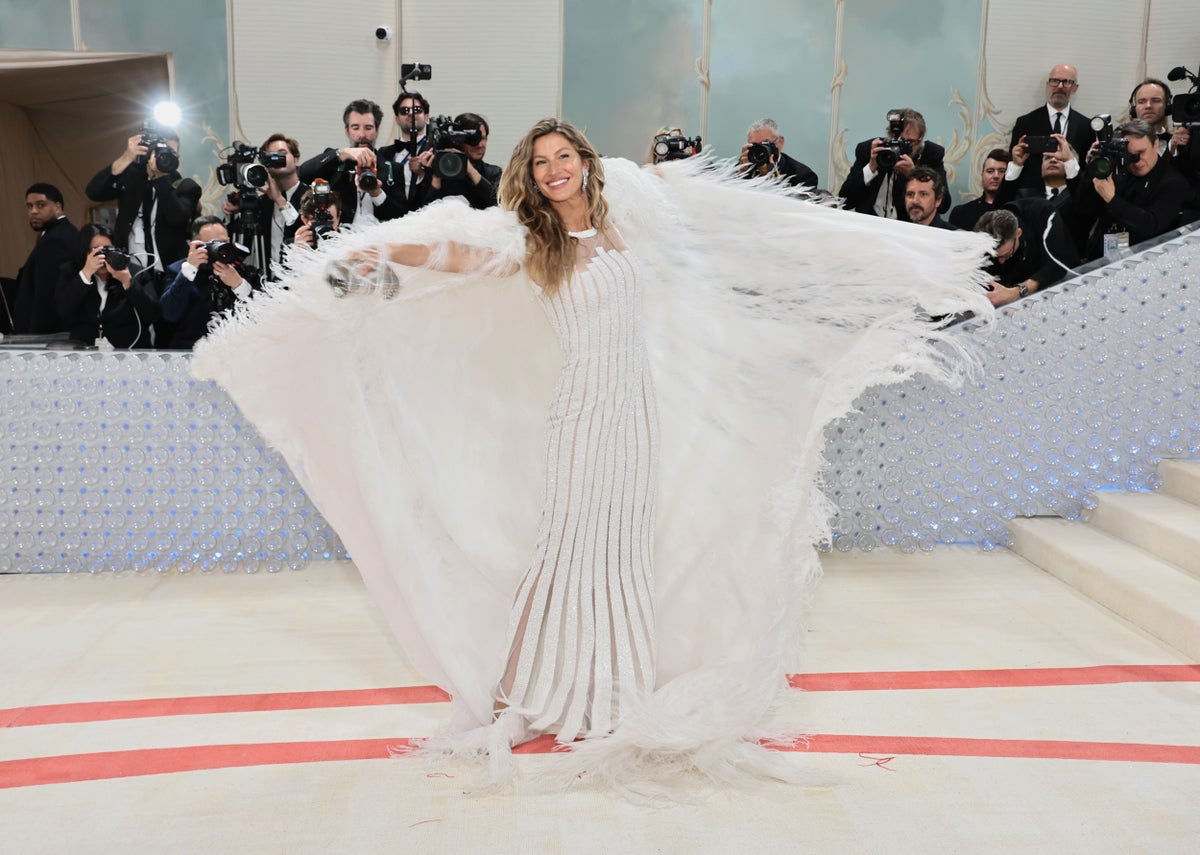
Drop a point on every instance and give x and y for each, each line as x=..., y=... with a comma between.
x=368, y=185
x=408, y=155
x=877, y=181
x=208, y=283
x=763, y=152
x=154, y=202
x=1128, y=190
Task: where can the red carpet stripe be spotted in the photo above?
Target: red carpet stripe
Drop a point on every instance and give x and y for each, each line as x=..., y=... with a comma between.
x=836, y=682
x=210, y=704
x=106, y=765
x=1001, y=678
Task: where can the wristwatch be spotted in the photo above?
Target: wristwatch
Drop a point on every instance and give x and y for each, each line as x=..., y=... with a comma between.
x=1023, y=290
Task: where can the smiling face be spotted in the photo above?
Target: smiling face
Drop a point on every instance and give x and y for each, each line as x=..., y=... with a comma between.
x=557, y=168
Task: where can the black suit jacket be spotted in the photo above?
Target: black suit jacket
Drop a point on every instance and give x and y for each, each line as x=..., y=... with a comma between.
x=966, y=215
x=186, y=303
x=1145, y=207
x=481, y=195
x=796, y=173
x=37, y=281
x=127, y=314
x=1045, y=237
x=420, y=193
x=178, y=200
x=340, y=175
x=861, y=197
x=1036, y=123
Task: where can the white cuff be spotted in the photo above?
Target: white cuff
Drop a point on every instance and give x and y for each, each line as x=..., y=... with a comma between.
x=242, y=290
x=868, y=175
x=1071, y=167
x=189, y=271
x=1013, y=172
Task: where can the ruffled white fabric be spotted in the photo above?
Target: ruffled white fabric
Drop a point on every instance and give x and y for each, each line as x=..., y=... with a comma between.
x=416, y=425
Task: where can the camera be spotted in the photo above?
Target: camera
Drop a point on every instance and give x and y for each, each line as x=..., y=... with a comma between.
x=224, y=251
x=677, y=147
x=895, y=146
x=164, y=155
x=220, y=297
x=1041, y=145
x=322, y=224
x=759, y=153
x=1112, y=154
x=415, y=71
x=383, y=33
x=245, y=166
x=368, y=178
x=1186, y=108
x=443, y=135
x=117, y=258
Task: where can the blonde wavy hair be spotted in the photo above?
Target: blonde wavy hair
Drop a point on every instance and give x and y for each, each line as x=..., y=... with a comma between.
x=550, y=250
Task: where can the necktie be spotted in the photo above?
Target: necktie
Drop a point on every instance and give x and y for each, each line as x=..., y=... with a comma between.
x=1053, y=192
x=1058, y=123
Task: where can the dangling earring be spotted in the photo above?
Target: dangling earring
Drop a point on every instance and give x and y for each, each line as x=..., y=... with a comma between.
x=586, y=173
x=536, y=189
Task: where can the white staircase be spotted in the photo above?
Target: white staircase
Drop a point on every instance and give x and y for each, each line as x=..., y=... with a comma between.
x=1136, y=554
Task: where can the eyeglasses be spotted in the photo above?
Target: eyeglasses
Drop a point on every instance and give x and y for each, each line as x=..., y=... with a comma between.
x=408, y=111
x=1061, y=81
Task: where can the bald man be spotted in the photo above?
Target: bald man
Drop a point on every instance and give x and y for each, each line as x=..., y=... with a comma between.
x=1055, y=117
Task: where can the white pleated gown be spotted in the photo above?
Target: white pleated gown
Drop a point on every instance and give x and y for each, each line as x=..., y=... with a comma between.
x=581, y=636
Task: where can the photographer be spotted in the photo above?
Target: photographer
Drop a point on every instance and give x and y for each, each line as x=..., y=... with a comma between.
x=881, y=168
x=1139, y=198
x=277, y=204
x=320, y=216
x=103, y=294
x=762, y=155
x=154, y=202
x=1033, y=248
x=202, y=286
x=1055, y=116
x=671, y=144
x=369, y=186
x=411, y=110
x=480, y=181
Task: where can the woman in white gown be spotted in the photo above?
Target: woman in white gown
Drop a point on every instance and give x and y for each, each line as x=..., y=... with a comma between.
x=661, y=606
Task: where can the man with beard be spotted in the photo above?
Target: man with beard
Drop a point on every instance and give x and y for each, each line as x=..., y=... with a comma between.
x=482, y=180
x=408, y=154
x=966, y=215
x=1056, y=116
x=278, y=208
x=368, y=185
x=923, y=195
x=38, y=278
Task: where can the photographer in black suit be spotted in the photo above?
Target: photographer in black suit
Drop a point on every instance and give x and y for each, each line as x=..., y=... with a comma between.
x=1033, y=248
x=155, y=203
x=881, y=168
x=1141, y=201
x=277, y=212
x=763, y=155
x=411, y=110
x=368, y=184
x=1054, y=117
x=481, y=181
x=200, y=287
x=105, y=295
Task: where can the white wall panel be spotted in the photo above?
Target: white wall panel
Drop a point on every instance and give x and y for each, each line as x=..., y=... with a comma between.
x=502, y=60
x=1171, y=40
x=1026, y=38
x=296, y=65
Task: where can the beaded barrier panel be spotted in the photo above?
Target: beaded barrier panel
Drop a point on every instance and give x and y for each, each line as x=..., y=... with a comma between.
x=119, y=461
x=1083, y=387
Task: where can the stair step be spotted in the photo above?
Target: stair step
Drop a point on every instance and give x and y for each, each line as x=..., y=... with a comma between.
x=1157, y=596
x=1163, y=525
x=1181, y=479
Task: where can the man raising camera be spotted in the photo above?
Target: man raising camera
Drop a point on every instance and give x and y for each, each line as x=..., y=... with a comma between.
x=154, y=202
x=278, y=206
x=479, y=181
x=1128, y=190
x=411, y=110
x=763, y=155
x=209, y=282
x=877, y=180
x=367, y=184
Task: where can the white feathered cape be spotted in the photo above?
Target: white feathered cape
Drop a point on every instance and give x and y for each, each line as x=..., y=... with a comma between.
x=417, y=425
